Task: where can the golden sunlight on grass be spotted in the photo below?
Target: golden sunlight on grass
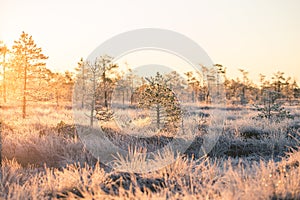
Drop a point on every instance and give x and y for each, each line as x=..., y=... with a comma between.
x=44, y=159
x=107, y=133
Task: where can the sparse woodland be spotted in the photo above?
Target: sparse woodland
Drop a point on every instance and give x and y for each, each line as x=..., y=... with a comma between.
x=256, y=153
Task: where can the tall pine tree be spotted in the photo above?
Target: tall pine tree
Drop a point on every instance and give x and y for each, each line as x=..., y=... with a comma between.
x=28, y=61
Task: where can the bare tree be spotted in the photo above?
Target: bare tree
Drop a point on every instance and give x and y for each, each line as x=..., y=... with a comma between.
x=81, y=76
x=93, y=74
x=100, y=77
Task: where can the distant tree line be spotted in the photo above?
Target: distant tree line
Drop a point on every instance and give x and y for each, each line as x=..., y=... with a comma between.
x=243, y=91
x=24, y=78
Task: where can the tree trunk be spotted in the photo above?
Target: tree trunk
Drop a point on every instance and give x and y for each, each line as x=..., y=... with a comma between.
x=0, y=150
x=243, y=97
x=193, y=96
x=207, y=97
x=105, y=99
x=123, y=98
x=83, y=89
x=196, y=95
x=82, y=102
x=158, y=116
x=24, y=93
x=57, y=99
x=105, y=88
x=4, y=79
x=92, y=113
x=93, y=100
x=131, y=98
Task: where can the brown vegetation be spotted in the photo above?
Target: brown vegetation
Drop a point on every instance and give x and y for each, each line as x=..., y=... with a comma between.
x=255, y=154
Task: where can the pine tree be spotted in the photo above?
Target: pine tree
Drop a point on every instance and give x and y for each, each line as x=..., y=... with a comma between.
x=271, y=110
x=161, y=100
x=94, y=72
x=108, y=78
x=60, y=87
x=278, y=82
x=3, y=52
x=28, y=61
x=81, y=81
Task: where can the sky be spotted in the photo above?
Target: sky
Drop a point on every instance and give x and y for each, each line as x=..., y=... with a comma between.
x=260, y=36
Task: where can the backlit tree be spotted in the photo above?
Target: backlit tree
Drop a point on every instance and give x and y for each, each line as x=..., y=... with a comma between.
x=29, y=63
x=3, y=52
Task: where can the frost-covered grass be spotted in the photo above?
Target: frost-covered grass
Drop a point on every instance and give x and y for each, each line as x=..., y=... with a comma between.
x=253, y=159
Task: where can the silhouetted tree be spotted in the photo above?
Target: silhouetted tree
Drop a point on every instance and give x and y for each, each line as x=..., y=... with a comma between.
x=278, y=81
x=295, y=89
x=244, y=85
x=108, y=77
x=193, y=81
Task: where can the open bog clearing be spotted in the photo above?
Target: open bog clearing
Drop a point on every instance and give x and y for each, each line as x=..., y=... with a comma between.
x=43, y=158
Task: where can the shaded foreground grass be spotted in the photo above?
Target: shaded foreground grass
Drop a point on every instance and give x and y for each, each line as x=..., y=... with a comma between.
x=44, y=159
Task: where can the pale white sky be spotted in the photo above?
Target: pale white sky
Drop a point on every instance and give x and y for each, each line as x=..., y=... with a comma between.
x=261, y=36
x=155, y=59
